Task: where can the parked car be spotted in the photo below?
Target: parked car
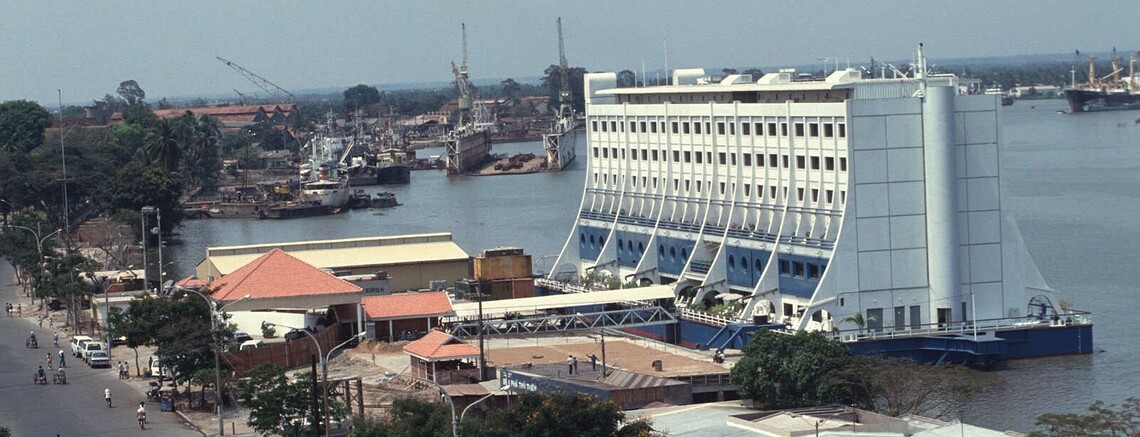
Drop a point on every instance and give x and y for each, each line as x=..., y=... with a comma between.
x=98, y=359
x=77, y=343
x=294, y=334
x=252, y=344
x=241, y=337
x=157, y=369
x=92, y=346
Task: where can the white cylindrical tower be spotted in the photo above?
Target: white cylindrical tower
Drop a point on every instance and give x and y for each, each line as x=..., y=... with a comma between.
x=941, y=203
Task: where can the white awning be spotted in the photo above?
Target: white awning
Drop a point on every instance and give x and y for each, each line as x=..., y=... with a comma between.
x=526, y=305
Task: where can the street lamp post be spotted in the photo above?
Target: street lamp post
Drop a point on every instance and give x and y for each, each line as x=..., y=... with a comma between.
x=107, y=310
x=39, y=246
x=324, y=366
x=464, y=412
x=454, y=418
x=214, y=312
x=147, y=210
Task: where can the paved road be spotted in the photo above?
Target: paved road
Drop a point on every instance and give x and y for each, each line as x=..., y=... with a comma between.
x=75, y=409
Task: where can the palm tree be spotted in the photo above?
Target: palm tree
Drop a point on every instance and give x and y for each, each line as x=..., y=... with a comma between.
x=858, y=320
x=200, y=159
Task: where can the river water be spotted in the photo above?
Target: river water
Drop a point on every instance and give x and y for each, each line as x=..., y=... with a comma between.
x=1071, y=181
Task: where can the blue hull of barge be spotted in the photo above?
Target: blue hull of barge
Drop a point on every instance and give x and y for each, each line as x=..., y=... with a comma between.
x=987, y=348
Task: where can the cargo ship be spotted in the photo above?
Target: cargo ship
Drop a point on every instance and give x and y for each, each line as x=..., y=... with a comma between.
x=1108, y=93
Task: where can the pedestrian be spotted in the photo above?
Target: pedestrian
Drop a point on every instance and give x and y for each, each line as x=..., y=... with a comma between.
x=8, y=308
x=575, y=364
x=19, y=310
x=40, y=320
x=570, y=364
x=593, y=362
x=48, y=359
x=61, y=358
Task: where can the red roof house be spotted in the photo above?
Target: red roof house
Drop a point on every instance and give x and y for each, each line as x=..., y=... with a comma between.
x=442, y=358
x=399, y=316
x=277, y=280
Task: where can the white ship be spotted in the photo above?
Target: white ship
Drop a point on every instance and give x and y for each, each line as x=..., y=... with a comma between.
x=321, y=179
x=840, y=204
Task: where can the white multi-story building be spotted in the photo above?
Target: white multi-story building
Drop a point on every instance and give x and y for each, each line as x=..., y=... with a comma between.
x=808, y=200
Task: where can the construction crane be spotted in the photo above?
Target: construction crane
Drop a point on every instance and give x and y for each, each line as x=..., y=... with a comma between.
x=261, y=82
x=462, y=84
x=241, y=96
x=565, y=100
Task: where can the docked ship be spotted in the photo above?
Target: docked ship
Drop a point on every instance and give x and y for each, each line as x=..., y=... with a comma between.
x=560, y=141
x=1109, y=93
x=468, y=145
x=392, y=166
x=867, y=209
x=322, y=182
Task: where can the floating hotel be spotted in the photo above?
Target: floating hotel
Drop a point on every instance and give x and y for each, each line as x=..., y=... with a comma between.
x=865, y=207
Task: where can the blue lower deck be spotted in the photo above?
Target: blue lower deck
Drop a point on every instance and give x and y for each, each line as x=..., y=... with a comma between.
x=984, y=349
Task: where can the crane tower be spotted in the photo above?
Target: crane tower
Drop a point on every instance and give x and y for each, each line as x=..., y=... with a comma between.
x=261, y=82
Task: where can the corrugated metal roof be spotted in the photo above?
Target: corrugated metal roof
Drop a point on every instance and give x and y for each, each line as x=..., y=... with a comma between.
x=345, y=257
x=527, y=304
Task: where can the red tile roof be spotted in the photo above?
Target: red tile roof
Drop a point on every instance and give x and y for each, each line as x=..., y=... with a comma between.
x=407, y=305
x=224, y=110
x=278, y=274
x=191, y=282
x=437, y=345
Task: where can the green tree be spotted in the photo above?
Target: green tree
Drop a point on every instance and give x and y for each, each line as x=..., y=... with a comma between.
x=280, y=406
x=5, y=432
x=782, y=370
x=1102, y=420
x=22, y=124
x=132, y=93
x=134, y=186
x=554, y=414
x=552, y=80
x=858, y=320
x=898, y=387
x=626, y=79
x=232, y=142
x=201, y=161
x=417, y=417
x=360, y=96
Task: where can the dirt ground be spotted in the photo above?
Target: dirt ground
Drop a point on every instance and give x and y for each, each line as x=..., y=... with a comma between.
x=619, y=354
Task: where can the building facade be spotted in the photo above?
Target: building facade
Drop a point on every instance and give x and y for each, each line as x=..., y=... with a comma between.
x=804, y=200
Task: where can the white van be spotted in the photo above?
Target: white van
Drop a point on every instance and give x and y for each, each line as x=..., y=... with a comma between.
x=251, y=344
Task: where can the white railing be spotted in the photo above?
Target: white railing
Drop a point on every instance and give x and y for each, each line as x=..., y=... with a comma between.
x=964, y=328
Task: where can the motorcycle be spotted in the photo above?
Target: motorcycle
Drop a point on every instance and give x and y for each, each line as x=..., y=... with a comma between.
x=153, y=394
x=59, y=378
x=39, y=379
x=32, y=343
x=142, y=420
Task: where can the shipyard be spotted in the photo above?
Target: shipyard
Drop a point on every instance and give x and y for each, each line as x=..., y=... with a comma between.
x=536, y=227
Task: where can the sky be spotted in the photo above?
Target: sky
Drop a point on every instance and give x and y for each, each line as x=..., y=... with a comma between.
x=85, y=49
